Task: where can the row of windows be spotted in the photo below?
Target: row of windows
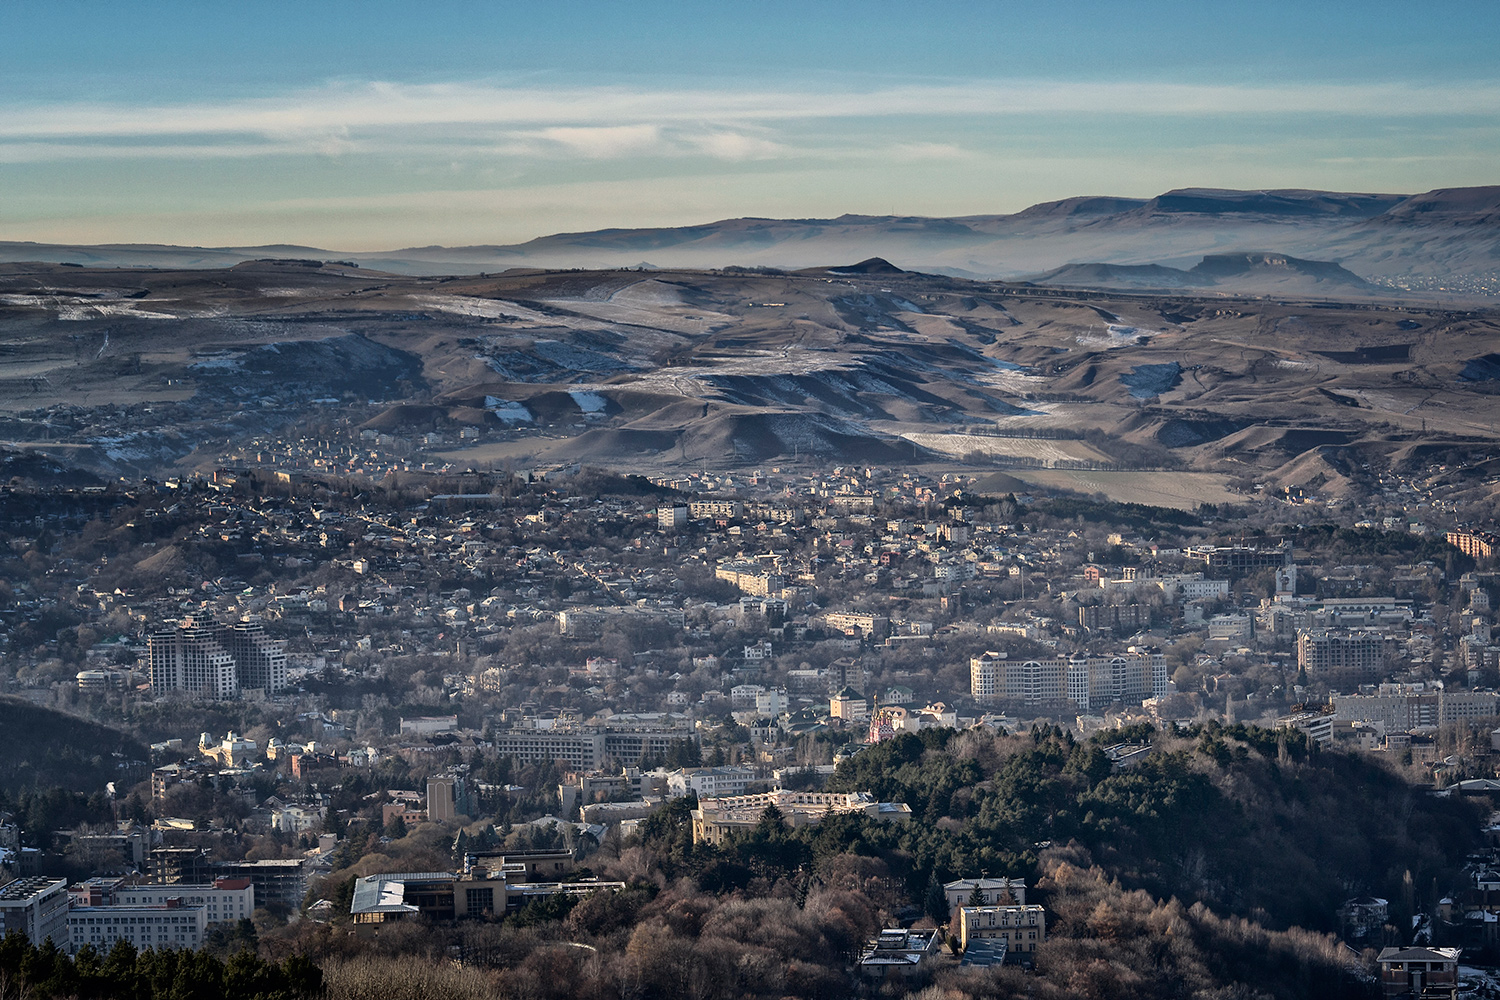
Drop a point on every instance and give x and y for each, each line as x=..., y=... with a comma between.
x=113, y=921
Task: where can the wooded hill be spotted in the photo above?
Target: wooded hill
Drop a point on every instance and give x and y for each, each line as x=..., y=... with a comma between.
x=1212, y=869
x=42, y=749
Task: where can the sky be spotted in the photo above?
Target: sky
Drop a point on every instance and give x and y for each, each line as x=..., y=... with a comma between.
x=378, y=125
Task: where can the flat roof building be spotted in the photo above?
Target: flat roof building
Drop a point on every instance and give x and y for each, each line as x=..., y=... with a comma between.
x=1022, y=928
x=36, y=907
x=164, y=925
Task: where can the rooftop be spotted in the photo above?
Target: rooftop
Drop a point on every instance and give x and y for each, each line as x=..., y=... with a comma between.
x=24, y=888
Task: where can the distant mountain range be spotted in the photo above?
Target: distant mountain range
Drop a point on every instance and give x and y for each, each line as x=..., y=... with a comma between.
x=1192, y=237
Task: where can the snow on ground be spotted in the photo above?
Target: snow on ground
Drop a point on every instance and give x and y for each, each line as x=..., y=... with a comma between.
x=648, y=293
x=1114, y=336
x=588, y=402
x=97, y=311
x=1016, y=383
x=508, y=411
x=787, y=361
x=1045, y=451
x=468, y=305
x=649, y=303
x=74, y=309
x=1478, y=983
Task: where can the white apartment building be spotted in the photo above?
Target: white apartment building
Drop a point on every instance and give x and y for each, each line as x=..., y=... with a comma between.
x=714, y=508
x=771, y=703
x=711, y=782
x=167, y=925
x=205, y=657
x=1087, y=681
x=224, y=900
x=36, y=907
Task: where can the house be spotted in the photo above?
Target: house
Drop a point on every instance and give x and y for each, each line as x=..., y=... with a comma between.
x=899, y=954
x=1364, y=917
x=1419, y=972
x=990, y=892
x=298, y=818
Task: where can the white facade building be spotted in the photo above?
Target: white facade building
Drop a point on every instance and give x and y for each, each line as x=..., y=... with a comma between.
x=225, y=900
x=36, y=907
x=168, y=925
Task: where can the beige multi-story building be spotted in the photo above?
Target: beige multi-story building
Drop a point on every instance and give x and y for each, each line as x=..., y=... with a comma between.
x=1021, y=927
x=752, y=579
x=671, y=516
x=849, y=705
x=1479, y=544
x=624, y=739
x=714, y=508
x=1087, y=681
x=1363, y=653
x=852, y=623
x=194, y=657
x=259, y=660
x=1401, y=707
x=716, y=819
x=205, y=657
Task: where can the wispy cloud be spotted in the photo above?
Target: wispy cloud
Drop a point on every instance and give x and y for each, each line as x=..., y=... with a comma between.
x=615, y=122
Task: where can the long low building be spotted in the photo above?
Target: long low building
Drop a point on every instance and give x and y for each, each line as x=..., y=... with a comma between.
x=224, y=900
x=165, y=925
x=591, y=748
x=1400, y=707
x=394, y=896
x=716, y=819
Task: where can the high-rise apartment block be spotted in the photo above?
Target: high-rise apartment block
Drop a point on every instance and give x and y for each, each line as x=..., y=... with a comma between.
x=205, y=657
x=1088, y=682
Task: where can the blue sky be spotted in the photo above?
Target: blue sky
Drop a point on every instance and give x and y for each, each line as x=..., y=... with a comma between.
x=377, y=125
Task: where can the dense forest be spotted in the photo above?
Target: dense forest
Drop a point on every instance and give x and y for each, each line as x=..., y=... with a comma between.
x=32, y=972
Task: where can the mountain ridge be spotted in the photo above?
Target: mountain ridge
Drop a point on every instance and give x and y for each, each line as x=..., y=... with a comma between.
x=1439, y=234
